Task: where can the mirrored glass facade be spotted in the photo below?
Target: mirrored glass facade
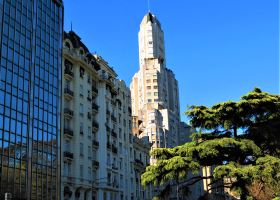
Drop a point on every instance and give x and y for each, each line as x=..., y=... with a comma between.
x=30, y=84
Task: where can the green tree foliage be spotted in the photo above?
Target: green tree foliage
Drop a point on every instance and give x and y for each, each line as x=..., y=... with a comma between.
x=240, y=139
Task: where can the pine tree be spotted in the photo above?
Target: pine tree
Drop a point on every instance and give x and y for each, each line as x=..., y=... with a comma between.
x=240, y=139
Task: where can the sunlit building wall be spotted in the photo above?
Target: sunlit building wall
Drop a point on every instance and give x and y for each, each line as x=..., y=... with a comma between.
x=98, y=146
x=80, y=125
x=154, y=89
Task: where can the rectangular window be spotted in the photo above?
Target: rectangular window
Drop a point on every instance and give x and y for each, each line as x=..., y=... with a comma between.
x=89, y=153
x=65, y=173
x=81, y=110
x=108, y=159
x=89, y=173
x=94, y=174
x=68, y=65
x=109, y=178
x=82, y=72
x=88, y=93
x=81, y=128
x=120, y=148
x=67, y=145
x=120, y=132
x=94, y=83
x=121, y=181
x=81, y=149
x=81, y=171
x=88, y=78
x=81, y=91
x=94, y=155
x=121, y=163
x=148, y=81
x=89, y=132
x=67, y=169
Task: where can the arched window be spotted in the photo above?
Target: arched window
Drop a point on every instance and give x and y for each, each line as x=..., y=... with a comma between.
x=81, y=52
x=67, y=44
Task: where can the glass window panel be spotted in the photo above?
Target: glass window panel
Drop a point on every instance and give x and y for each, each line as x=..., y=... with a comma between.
x=6, y=123
x=1, y=121
x=24, y=130
x=6, y=135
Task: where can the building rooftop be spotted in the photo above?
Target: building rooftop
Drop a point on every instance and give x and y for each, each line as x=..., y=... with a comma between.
x=76, y=40
x=150, y=17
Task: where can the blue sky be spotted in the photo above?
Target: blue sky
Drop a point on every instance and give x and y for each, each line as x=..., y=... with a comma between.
x=218, y=49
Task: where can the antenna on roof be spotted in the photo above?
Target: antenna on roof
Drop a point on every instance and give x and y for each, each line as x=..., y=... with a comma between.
x=71, y=25
x=148, y=5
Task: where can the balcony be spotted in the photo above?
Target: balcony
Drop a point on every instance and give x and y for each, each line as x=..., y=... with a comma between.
x=94, y=91
x=114, y=167
x=68, y=74
x=114, y=149
x=68, y=132
x=115, y=184
x=68, y=113
x=108, y=129
x=68, y=94
x=129, y=111
x=68, y=155
x=89, y=115
x=95, y=107
x=139, y=162
x=114, y=102
x=114, y=91
x=114, y=119
x=95, y=164
x=95, y=126
x=141, y=128
x=89, y=99
x=109, y=146
x=95, y=143
x=108, y=112
x=114, y=134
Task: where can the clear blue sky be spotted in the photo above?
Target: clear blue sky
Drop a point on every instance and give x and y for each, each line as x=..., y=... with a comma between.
x=218, y=49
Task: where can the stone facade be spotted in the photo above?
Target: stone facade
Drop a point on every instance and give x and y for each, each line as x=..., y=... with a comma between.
x=98, y=157
x=80, y=124
x=154, y=89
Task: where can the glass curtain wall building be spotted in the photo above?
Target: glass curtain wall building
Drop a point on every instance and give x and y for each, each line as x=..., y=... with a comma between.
x=30, y=86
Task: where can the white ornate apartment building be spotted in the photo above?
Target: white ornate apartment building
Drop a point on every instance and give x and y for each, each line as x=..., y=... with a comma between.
x=99, y=160
x=154, y=89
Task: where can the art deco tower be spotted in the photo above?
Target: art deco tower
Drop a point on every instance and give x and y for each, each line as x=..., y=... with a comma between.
x=151, y=39
x=154, y=89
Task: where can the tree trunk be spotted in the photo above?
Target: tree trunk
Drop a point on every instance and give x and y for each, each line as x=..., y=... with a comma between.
x=235, y=132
